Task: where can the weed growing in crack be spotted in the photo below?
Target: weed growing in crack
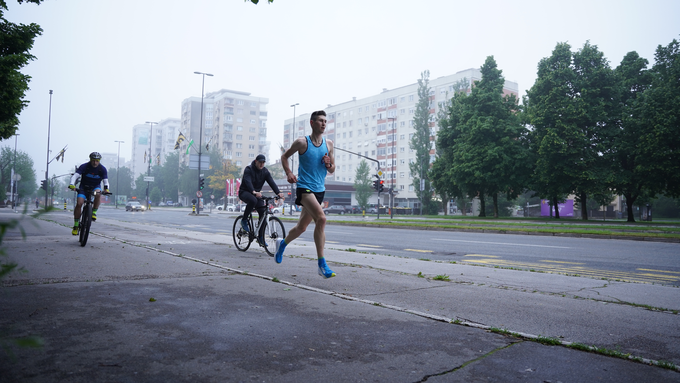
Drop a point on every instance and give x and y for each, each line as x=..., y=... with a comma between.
x=275, y=279
x=550, y=341
x=442, y=278
x=420, y=274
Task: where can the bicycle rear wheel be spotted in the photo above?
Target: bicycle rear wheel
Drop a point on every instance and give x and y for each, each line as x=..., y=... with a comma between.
x=273, y=231
x=242, y=239
x=85, y=222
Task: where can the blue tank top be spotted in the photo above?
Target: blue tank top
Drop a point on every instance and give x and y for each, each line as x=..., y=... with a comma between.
x=311, y=170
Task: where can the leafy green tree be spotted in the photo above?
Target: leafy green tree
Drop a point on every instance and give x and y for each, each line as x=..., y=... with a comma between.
x=595, y=91
x=569, y=107
x=155, y=195
x=23, y=167
x=120, y=181
x=16, y=41
x=660, y=138
x=448, y=121
x=627, y=158
x=488, y=156
x=421, y=144
x=363, y=184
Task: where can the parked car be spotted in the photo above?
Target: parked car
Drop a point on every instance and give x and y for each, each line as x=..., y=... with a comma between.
x=231, y=207
x=134, y=206
x=339, y=209
x=352, y=209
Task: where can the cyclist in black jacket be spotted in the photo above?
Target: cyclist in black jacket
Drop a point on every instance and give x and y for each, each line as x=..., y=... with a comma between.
x=254, y=177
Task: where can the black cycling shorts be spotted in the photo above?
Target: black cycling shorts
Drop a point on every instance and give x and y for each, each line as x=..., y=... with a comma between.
x=299, y=191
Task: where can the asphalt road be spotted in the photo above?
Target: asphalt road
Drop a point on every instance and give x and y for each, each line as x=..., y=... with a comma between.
x=150, y=303
x=618, y=260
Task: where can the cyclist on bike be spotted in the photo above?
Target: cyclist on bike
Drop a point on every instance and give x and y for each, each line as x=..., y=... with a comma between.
x=254, y=177
x=91, y=175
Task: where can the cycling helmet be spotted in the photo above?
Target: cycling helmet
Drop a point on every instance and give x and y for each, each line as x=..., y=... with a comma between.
x=95, y=156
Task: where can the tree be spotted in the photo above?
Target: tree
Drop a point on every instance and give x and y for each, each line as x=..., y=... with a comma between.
x=626, y=156
x=23, y=167
x=17, y=41
x=363, y=184
x=569, y=107
x=660, y=138
x=120, y=181
x=487, y=156
x=421, y=144
x=449, y=118
x=218, y=181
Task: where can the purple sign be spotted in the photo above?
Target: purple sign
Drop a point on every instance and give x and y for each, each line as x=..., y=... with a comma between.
x=566, y=208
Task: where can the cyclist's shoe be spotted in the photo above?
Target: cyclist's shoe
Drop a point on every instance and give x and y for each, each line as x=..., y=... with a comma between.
x=261, y=241
x=244, y=225
x=324, y=271
x=94, y=215
x=75, y=230
x=280, y=247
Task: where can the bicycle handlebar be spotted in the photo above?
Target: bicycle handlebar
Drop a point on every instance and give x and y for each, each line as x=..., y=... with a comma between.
x=91, y=190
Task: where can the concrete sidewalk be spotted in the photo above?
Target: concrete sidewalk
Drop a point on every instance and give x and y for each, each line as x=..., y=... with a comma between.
x=218, y=315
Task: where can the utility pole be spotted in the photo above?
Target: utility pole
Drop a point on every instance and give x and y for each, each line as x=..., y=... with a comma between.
x=47, y=167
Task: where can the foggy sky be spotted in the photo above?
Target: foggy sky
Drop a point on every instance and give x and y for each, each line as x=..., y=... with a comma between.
x=115, y=64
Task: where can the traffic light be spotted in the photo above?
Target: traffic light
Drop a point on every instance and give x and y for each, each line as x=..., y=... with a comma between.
x=381, y=186
x=376, y=183
x=201, y=184
x=43, y=184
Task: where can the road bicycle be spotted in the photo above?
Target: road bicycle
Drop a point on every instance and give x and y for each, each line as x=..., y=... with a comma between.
x=86, y=213
x=269, y=228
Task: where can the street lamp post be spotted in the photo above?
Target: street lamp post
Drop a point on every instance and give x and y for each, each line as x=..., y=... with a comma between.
x=148, y=171
x=292, y=160
x=47, y=167
x=392, y=170
x=118, y=171
x=200, y=138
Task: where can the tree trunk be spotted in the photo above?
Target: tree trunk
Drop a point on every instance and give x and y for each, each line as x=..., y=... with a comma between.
x=495, y=205
x=630, y=200
x=584, y=209
x=554, y=206
x=482, y=205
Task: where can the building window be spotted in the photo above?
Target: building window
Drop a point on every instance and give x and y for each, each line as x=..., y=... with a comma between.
x=251, y=138
x=239, y=136
x=238, y=154
x=239, y=128
x=239, y=146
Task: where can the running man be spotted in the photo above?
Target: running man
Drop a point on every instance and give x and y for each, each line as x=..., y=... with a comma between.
x=316, y=160
x=91, y=175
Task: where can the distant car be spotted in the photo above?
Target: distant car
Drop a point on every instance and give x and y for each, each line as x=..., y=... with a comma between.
x=352, y=209
x=339, y=209
x=231, y=207
x=134, y=206
x=168, y=203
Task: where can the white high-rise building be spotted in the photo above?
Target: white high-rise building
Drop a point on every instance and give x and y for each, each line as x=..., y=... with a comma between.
x=380, y=127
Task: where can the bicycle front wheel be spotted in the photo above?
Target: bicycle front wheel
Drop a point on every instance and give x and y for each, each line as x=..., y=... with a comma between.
x=242, y=239
x=85, y=222
x=272, y=232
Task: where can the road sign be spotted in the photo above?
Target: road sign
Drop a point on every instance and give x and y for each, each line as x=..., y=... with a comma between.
x=212, y=196
x=148, y=179
x=380, y=173
x=199, y=194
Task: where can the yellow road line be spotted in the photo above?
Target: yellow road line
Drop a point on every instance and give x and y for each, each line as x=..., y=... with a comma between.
x=660, y=271
x=419, y=251
x=361, y=244
x=481, y=255
x=568, y=263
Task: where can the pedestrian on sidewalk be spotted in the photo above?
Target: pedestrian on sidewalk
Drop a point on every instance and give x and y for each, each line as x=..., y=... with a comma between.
x=316, y=159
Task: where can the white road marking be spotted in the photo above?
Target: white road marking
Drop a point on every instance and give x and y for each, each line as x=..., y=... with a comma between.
x=499, y=243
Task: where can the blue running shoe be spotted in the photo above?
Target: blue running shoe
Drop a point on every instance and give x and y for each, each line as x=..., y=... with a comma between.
x=325, y=272
x=244, y=225
x=280, y=247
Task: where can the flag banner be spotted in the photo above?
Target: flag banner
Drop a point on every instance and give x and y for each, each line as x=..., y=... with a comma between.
x=180, y=139
x=145, y=156
x=158, y=159
x=189, y=147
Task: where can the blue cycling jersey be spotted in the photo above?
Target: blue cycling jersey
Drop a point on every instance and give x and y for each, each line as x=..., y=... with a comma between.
x=91, y=177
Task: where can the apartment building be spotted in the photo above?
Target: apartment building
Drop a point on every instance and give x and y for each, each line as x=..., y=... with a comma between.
x=235, y=124
x=381, y=127
x=152, y=141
